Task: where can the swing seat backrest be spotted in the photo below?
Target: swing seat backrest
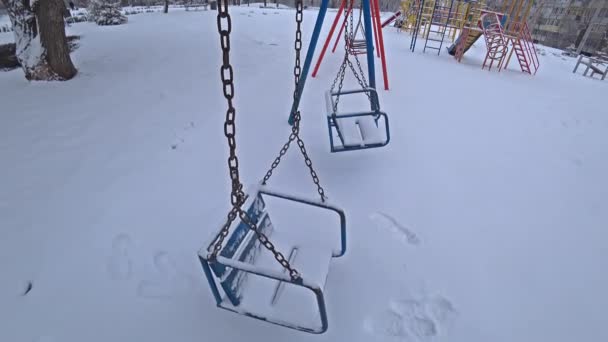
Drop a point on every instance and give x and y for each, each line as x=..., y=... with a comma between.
x=242, y=245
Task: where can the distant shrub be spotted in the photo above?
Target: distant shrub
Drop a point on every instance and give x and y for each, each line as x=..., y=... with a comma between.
x=105, y=13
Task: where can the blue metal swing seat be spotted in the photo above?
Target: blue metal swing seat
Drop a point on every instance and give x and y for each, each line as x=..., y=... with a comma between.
x=356, y=130
x=246, y=279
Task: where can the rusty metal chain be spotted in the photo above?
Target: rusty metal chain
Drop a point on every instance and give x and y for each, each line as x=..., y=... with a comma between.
x=237, y=196
x=224, y=27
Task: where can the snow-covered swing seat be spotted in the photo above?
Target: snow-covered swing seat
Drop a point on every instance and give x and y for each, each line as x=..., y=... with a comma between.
x=356, y=130
x=351, y=128
x=246, y=279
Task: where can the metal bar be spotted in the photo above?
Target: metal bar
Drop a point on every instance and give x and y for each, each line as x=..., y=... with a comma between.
x=328, y=39
x=210, y=279
x=324, y=205
x=391, y=19
x=417, y=26
x=381, y=46
x=446, y=26
x=362, y=147
x=354, y=91
x=309, y=55
x=367, y=20
x=373, y=11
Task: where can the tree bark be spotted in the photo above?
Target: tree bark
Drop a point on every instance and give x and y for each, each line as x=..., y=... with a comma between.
x=28, y=49
x=41, y=45
x=52, y=33
x=166, y=10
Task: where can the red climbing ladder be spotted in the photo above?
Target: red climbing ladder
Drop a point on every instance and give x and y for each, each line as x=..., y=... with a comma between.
x=524, y=49
x=495, y=40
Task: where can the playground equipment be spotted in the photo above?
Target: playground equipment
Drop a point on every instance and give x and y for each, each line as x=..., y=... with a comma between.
x=355, y=130
x=464, y=22
x=511, y=29
x=594, y=65
x=372, y=24
x=242, y=279
x=496, y=43
x=390, y=19
x=434, y=21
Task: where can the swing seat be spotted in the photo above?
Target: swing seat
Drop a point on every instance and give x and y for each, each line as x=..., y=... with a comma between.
x=245, y=278
x=357, y=46
x=356, y=130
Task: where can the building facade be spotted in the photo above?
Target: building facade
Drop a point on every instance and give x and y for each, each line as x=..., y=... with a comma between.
x=563, y=23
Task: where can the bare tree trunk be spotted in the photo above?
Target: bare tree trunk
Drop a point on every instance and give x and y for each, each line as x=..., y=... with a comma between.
x=41, y=45
x=52, y=33
x=28, y=49
x=166, y=10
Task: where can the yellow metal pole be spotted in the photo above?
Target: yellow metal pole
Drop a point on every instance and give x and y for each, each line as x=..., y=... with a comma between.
x=525, y=18
x=516, y=18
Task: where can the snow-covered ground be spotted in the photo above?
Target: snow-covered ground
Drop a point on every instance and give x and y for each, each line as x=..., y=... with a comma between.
x=483, y=220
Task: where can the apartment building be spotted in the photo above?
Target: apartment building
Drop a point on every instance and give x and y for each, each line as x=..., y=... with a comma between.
x=562, y=23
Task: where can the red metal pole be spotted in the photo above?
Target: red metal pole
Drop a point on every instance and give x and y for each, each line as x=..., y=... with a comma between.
x=378, y=28
x=391, y=19
x=341, y=29
x=328, y=39
x=374, y=13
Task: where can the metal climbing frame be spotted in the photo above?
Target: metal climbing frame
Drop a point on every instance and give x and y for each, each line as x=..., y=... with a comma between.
x=496, y=43
x=518, y=34
x=440, y=18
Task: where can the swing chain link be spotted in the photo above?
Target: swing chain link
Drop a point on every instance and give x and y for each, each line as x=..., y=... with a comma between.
x=224, y=26
x=219, y=239
x=360, y=76
x=293, y=273
x=295, y=129
x=349, y=38
x=237, y=195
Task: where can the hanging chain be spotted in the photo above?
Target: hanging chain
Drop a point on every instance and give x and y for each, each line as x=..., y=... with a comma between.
x=349, y=38
x=237, y=197
x=270, y=246
x=224, y=27
x=295, y=129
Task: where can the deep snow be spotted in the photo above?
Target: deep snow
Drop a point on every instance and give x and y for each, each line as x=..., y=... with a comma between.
x=483, y=220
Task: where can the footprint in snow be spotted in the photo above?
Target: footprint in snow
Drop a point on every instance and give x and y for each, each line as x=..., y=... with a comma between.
x=178, y=139
x=387, y=323
x=412, y=319
x=119, y=263
x=169, y=281
x=387, y=222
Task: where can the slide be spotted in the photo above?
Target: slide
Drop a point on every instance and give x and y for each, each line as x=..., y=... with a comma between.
x=471, y=38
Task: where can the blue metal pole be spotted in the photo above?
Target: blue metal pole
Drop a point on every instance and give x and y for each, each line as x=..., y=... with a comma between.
x=367, y=20
x=309, y=55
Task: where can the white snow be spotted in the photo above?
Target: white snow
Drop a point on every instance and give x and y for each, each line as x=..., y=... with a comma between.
x=111, y=182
